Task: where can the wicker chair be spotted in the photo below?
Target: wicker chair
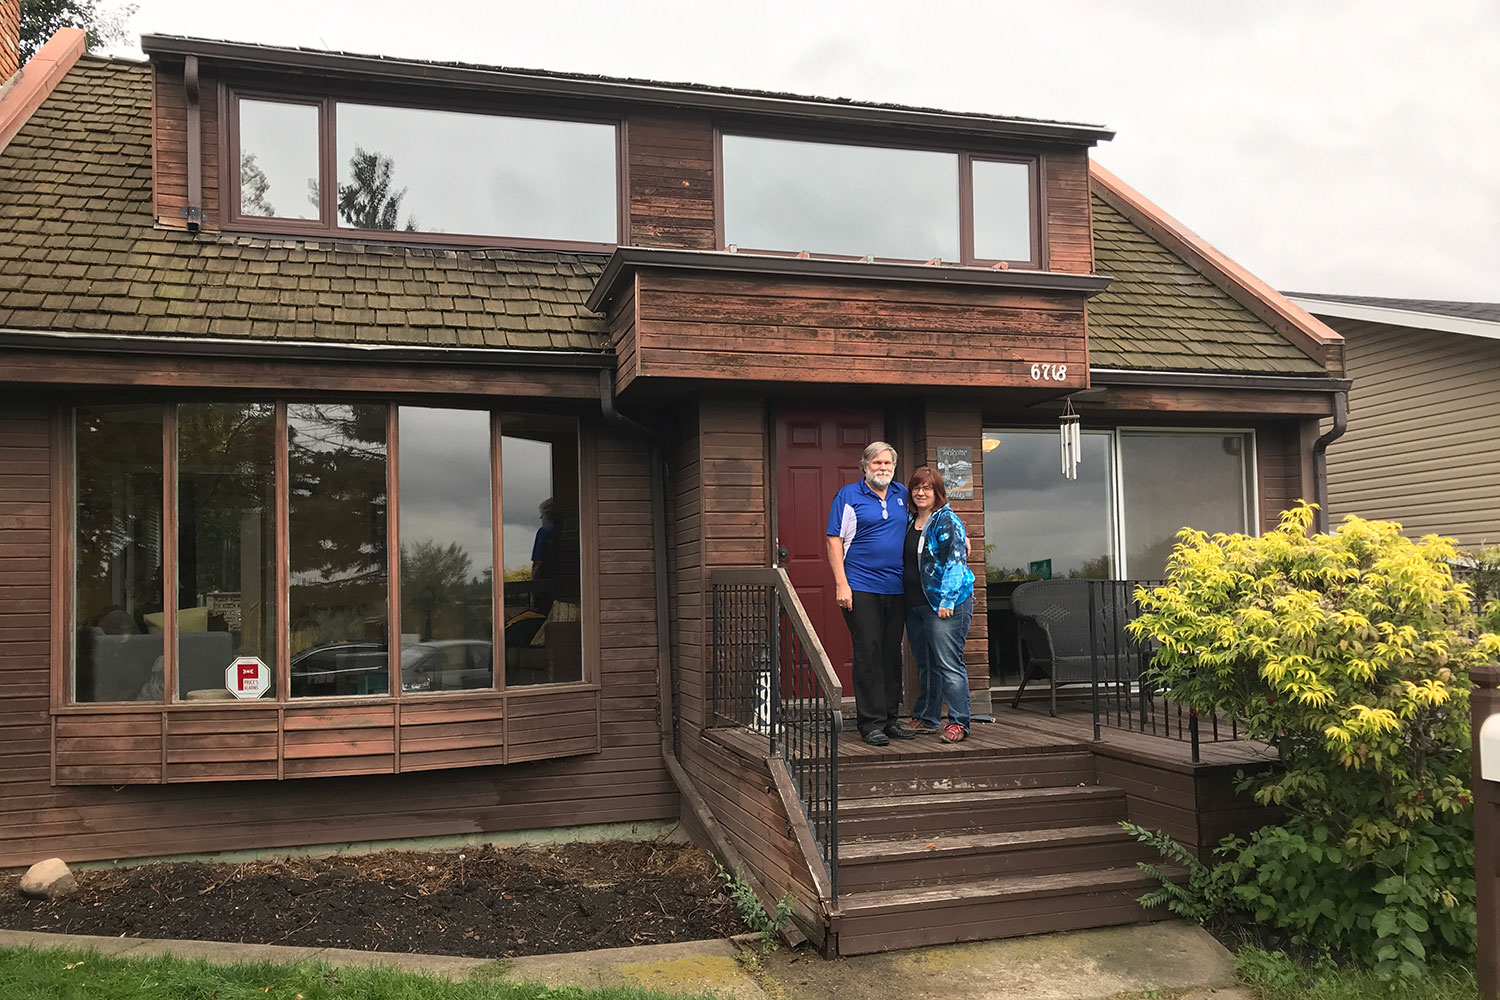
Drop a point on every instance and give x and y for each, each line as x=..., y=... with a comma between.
x=1058, y=641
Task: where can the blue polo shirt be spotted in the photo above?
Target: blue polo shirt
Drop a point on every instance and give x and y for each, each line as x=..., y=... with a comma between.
x=873, y=531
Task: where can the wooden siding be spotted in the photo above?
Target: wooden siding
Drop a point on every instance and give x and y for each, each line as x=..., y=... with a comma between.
x=709, y=326
x=1069, y=212
x=671, y=166
x=958, y=422
x=1424, y=415
x=169, y=146
x=1278, y=463
x=624, y=781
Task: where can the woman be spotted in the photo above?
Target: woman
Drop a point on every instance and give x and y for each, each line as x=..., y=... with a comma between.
x=939, y=606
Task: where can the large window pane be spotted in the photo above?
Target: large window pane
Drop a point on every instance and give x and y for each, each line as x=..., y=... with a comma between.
x=1173, y=480
x=1002, y=210
x=853, y=200
x=450, y=172
x=337, y=537
x=226, y=543
x=118, y=551
x=543, y=576
x=278, y=157
x=1037, y=524
x=447, y=549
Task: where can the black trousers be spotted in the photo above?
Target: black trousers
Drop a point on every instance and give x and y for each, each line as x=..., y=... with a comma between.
x=875, y=623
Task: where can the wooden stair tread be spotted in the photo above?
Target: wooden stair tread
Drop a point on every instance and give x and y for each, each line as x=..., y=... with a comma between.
x=912, y=802
x=875, y=849
x=995, y=889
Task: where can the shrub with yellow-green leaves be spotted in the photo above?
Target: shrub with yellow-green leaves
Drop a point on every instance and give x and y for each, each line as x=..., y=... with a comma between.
x=1349, y=652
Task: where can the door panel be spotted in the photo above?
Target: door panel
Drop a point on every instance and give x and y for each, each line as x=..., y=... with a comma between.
x=818, y=451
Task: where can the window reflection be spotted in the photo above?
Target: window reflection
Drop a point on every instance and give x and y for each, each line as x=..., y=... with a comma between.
x=1038, y=524
x=1154, y=468
x=278, y=159
x=337, y=541
x=451, y=172
x=1002, y=210
x=118, y=553
x=826, y=198
x=543, y=575
x=447, y=549
x=226, y=543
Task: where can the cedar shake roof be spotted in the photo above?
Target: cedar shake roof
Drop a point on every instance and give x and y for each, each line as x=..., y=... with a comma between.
x=79, y=253
x=1489, y=312
x=1160, y=313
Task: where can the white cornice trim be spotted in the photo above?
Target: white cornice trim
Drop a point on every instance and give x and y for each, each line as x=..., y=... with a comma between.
x=1413, y=318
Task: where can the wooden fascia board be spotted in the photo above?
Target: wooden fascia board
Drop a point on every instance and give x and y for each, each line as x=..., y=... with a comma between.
x=1310, y=335
x=37, y=79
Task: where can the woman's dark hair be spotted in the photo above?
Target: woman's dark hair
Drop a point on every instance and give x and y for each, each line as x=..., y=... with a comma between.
x=924, y=475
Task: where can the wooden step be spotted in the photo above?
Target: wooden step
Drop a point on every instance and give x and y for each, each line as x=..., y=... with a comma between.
x=983, y=909
x=993, y=811
x=897, y=862
x=865, y=779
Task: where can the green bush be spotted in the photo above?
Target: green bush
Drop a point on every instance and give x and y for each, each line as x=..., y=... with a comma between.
x=1349, y=652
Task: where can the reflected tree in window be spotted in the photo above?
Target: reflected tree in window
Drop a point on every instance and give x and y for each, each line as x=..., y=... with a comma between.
x=253, y=188
x=368, y=202
x=438, y=580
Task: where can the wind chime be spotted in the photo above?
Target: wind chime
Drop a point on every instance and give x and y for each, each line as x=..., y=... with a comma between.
x=1070, y=440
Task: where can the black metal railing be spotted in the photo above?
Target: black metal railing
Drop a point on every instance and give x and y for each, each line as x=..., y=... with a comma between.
x=1124, y=696
x=771, y=676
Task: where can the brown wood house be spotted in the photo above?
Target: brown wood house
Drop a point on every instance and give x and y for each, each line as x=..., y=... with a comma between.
x=395, y=449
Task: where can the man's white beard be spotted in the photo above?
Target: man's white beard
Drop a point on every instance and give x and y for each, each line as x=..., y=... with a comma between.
x=880, y=480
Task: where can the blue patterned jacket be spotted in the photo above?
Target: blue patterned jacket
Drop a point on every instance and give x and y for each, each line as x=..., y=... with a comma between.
x=942, y=560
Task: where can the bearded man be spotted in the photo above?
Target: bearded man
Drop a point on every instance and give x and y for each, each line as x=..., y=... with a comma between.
x=866, y=531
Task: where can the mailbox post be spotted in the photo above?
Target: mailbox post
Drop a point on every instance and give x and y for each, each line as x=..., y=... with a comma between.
x=1485, y=705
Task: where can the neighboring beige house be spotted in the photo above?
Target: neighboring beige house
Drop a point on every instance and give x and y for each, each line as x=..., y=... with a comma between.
x=1424, y=414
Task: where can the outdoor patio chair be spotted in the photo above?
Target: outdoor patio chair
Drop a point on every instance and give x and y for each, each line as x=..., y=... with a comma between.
x=1056, y=639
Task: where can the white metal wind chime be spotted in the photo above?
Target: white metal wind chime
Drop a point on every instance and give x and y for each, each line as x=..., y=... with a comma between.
x=1070, y=440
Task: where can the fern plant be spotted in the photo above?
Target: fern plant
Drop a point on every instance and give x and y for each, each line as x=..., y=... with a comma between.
x=1208, y=891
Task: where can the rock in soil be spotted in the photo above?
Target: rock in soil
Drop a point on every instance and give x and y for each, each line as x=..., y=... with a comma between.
x=50, y=879
x=483, y=902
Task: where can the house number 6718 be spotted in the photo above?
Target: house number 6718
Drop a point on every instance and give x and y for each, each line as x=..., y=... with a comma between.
x=1049, y=373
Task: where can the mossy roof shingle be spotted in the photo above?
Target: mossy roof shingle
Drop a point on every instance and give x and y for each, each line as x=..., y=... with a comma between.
x=1160, y=313
x=79, y=253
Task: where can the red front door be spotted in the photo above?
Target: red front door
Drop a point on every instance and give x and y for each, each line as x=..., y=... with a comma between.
x=817, y=451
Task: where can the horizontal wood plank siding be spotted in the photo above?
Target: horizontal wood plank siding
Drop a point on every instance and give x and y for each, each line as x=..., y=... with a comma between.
x=671, y=164
x=689, y=622
x=1424, y=415
x=706, y=326
x=1278, y=462
x=1069, y=217
x=210, y=772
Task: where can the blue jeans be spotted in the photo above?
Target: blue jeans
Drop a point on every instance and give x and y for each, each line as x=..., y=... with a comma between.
x=937, y=644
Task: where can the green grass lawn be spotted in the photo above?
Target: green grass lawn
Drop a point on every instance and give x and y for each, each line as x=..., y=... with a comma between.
x=1273, y=976
x=68, y=974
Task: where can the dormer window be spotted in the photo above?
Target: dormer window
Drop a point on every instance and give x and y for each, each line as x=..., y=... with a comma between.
x=889, y=203
x=335, y=167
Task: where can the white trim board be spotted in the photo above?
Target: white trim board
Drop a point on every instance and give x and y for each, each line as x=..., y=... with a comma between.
x=1415, y=319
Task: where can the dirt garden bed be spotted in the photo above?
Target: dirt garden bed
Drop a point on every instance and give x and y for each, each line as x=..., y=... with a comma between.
x=483, y=902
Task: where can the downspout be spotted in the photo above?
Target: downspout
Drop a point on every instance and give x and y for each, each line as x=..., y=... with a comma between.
x=194, y=211
x=685, y=786
x=1320, y=458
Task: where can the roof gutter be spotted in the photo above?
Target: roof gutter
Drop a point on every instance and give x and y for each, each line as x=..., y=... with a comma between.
x=302, y=350
x=1217, y=380
x=631, y=91
x=1413, y=318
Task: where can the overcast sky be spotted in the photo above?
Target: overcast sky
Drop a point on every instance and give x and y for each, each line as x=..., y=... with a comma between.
x=1345, y=146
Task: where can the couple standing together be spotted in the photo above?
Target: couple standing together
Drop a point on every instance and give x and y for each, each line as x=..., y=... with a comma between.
x=900, y=558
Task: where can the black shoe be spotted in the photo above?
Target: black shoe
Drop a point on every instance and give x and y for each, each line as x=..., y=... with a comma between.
x=876, y=738
x=895, y=732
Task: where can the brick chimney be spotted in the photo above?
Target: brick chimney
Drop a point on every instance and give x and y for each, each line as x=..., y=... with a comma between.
x=10, y=38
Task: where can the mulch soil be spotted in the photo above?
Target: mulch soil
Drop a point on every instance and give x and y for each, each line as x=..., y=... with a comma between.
x=483, y=902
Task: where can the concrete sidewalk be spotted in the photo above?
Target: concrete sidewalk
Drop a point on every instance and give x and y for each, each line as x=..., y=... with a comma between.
x=1184, y=961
